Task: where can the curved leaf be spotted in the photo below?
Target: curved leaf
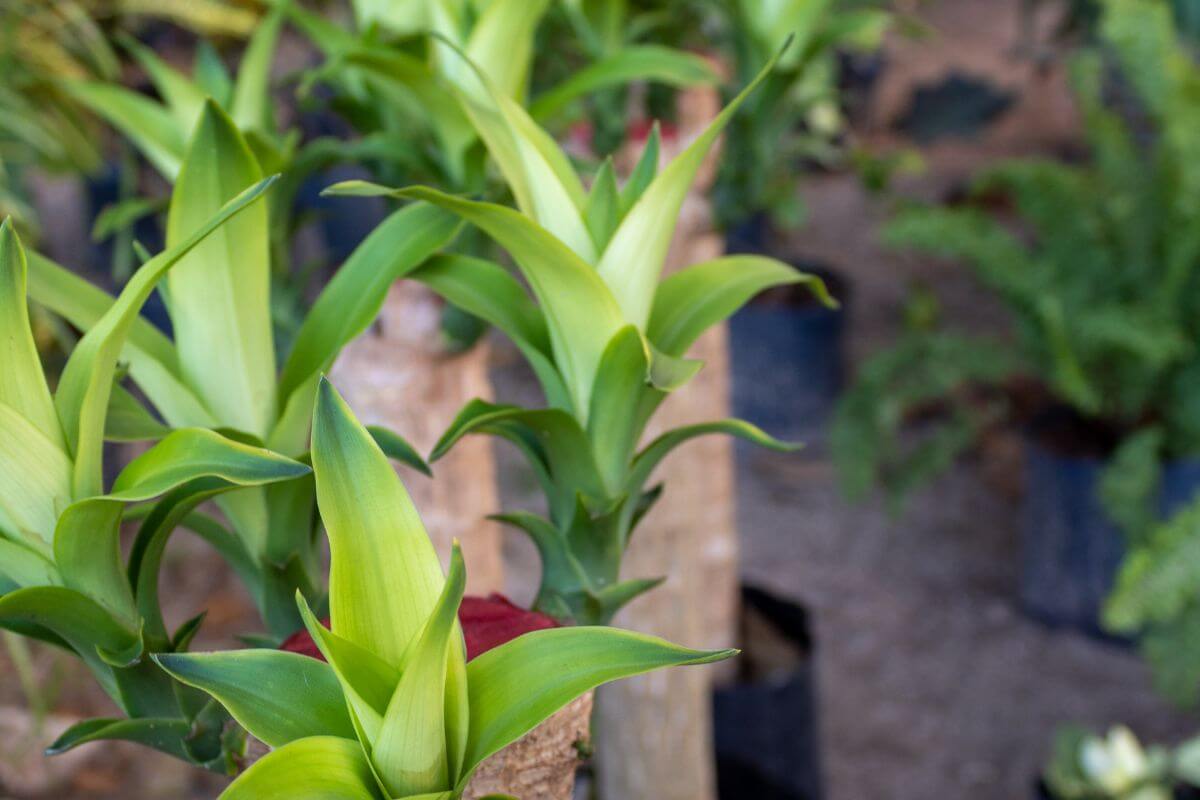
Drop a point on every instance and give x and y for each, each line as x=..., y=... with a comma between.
x=87, y=379
x=192, y=453
x=353, y=297
x=90, y=630
x=650, y=62
x=692, y=300
x=557, y=447
x=278, y=697
x=488, y=291
x=580, y=311
x=153, y=362
x=184, y=98
x=87, y=550
x=316, y=768
x=657, y=450
x=164, y=735
x=151, y=128
x=518, y=684
x=397, y=448
x=384, y=576
x=633, y=260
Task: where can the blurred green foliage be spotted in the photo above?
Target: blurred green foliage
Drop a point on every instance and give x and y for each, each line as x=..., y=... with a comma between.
x=1097, y=265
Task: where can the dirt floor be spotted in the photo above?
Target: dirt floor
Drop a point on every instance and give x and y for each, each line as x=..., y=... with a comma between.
x=932, y=683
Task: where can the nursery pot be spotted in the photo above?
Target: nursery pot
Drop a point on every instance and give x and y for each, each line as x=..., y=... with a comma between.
x=1070, y=549
x=786, y=356
x=765, y=721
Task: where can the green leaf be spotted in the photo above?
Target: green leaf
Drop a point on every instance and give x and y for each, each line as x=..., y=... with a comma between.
x=633, y=260
x=614, y=422
x=251, y=107
x=128, y=420
x=487, y=290
x=517, y=685
x=151, y=128
x=353, y=297
x=316, y=768
x=580, y=311
x=557, y=447
x=1129, y=484
x=165, y=735
x=367, y=681
x=192, y=453
x=153, y=362
x=184, y=98
x=87, y=550
x=410, y=752
x=501, y=43
x=87, y=379
x=395, y=447
x=90, y=630
x=603, y=211
x=278, y=697
x=211, y=75
x=657, y=450
x=633, y=63
x=22, y=383
x=35, y=476
x=540, y=175
x=124, y=214
x=643, y=173
x=25, y=566
x=384, y=576
x=219, y=294
x=692, y=300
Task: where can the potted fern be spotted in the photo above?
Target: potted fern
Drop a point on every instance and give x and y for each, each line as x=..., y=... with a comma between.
x=1098, y=289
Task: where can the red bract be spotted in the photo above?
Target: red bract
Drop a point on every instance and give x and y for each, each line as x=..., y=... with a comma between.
x=487, y=622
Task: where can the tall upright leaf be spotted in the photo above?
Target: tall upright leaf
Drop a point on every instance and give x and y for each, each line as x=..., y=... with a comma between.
x=220, y=293
x=385, y=576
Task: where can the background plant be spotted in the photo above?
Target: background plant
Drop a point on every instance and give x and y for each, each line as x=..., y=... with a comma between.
x=606, y=338
x=397, y=711
x=1099, y=278
x=797, y=115
x=1116, y=767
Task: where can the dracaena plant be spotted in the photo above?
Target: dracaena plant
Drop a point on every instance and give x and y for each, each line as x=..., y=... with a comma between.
x=797, y=115
x=62, y=576
x=218, y=369
x=607, y=338
x=400, y=80
x=395, y=710
x=1101, y=279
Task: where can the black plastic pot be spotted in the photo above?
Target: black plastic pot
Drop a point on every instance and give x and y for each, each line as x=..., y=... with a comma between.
x=787, y=358
x=1070, y=549
x=765, y=722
